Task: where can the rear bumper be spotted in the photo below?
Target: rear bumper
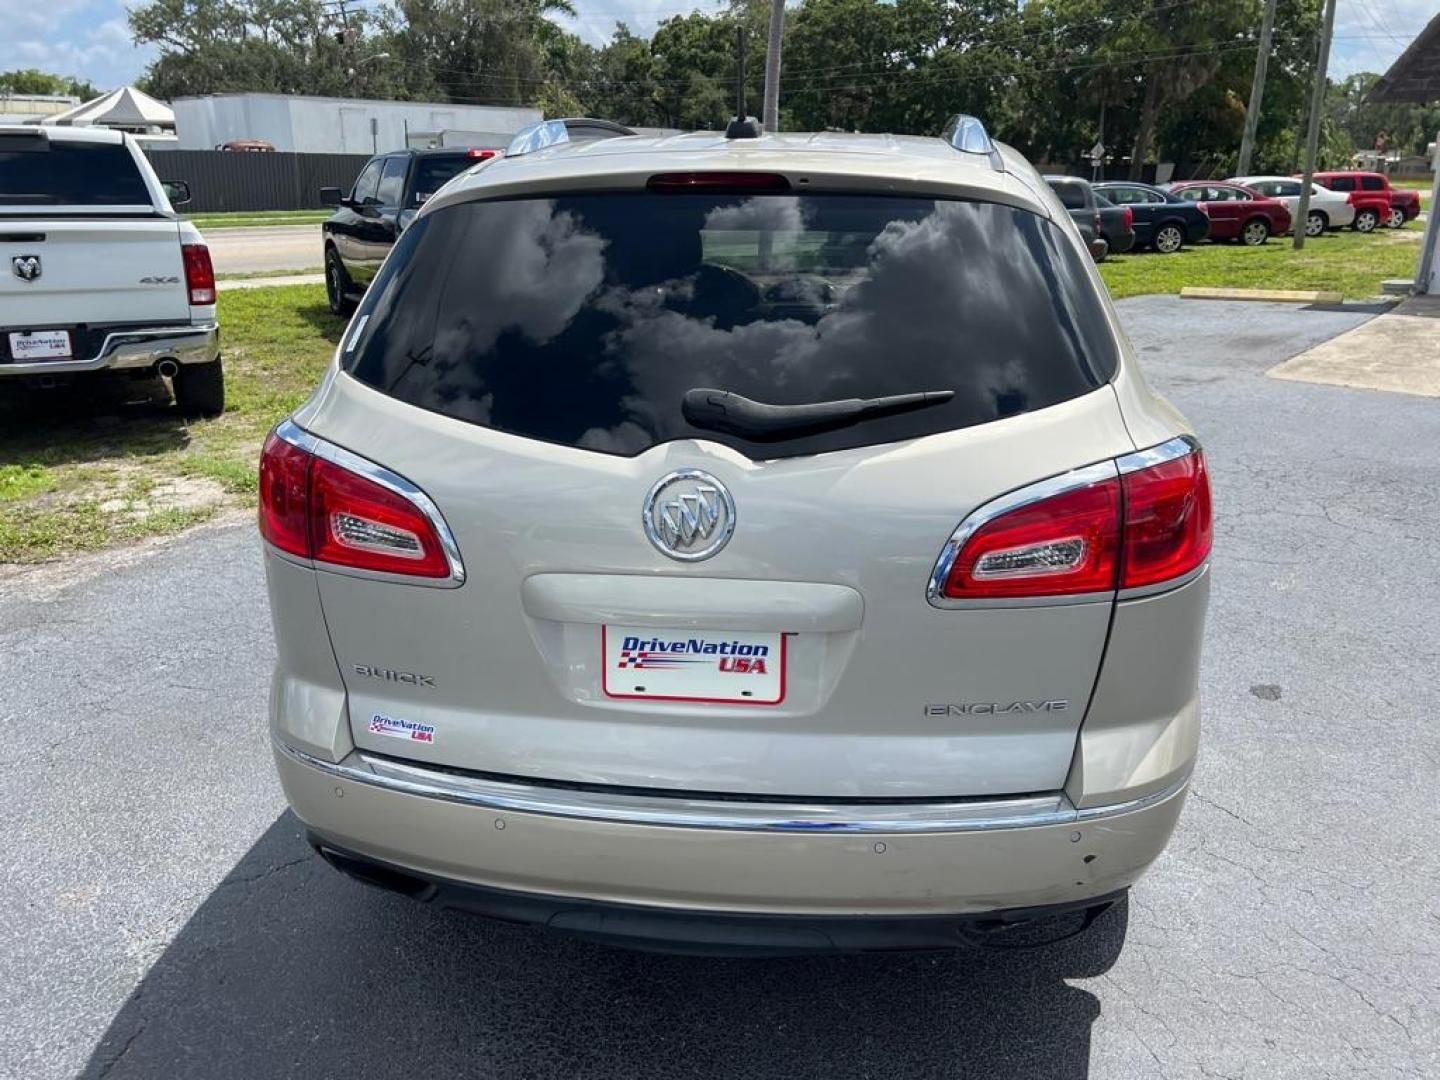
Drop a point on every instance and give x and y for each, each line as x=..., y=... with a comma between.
x=695, y=861
x=129, y=349
x=717, y=932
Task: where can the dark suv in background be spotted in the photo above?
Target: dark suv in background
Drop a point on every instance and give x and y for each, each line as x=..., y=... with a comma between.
x=1162, y=220
x=384, y=200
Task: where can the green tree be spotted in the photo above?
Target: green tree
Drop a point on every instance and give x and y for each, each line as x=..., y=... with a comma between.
x=33, y=81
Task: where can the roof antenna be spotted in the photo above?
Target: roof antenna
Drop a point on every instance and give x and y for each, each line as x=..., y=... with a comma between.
x=743, y=126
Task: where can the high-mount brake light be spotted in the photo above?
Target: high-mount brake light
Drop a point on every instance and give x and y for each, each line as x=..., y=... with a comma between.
x=199, y=273
x=1139, y=521
x=482, y=153
x=319, y=509
x=709, y=181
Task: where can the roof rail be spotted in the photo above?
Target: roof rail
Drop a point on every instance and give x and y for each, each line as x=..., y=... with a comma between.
x=571, y=129
x=968, y=135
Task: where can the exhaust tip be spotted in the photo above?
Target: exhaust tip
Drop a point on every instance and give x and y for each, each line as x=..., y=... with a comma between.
x=168, y=368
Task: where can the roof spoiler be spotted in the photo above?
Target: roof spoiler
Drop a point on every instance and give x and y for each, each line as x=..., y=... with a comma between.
x=570, y=129
x=968, y=135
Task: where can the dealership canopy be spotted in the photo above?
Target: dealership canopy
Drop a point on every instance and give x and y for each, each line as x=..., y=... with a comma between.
x=126, y=108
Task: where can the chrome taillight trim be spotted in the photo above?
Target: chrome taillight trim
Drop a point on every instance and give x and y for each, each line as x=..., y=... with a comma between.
x=1014, y=500
x=1168, y=450
x=296, y=436
x=695, y=811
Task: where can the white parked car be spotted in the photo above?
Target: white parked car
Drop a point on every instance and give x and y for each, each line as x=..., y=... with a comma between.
x=97, y=271
x=1328, y=209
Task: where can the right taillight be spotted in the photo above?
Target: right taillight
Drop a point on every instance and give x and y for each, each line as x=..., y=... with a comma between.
x=199, y=273
x=324, y=504
x=1167, y=530
x=1141, y=520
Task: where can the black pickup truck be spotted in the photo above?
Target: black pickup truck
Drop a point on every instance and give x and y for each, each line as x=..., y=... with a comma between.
x=384, y=199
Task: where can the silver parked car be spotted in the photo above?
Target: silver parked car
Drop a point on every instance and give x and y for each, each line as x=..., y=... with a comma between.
x=740, y=543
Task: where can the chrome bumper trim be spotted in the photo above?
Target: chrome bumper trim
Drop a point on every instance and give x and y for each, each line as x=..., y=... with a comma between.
x=139, y=348
x=969, y=815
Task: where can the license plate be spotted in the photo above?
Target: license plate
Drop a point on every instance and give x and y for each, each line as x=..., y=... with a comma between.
x=40, y=345
x=718, y=666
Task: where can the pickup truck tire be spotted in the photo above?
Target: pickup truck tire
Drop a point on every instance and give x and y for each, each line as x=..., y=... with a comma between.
x=1366, y=220
x=337, y=285
x=200, y=389
x=1169, y=238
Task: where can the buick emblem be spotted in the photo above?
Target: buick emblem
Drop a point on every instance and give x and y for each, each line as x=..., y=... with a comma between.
x=25, y=267
x=689, y=515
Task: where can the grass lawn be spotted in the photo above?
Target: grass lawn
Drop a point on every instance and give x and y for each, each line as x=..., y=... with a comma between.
x=242, y=218
x=1353, y=263
x=89, y=467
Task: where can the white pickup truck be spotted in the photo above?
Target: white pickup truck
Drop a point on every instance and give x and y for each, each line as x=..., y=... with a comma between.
x=97, y=271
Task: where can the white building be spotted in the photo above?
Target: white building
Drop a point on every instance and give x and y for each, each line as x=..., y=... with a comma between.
x=335, y=125
x=33, y=108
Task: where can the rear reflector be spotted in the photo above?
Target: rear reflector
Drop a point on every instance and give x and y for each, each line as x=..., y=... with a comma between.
x=319, y=509
x=1139, y=521
x=709, y=181
x=199, y=273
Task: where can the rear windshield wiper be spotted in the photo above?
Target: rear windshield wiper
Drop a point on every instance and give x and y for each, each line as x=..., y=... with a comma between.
x=722, y=410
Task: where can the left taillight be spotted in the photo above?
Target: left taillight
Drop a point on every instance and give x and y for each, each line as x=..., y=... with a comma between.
x=199, y=274
x=1128, y=217
x=323, y=504
x=1139, y=521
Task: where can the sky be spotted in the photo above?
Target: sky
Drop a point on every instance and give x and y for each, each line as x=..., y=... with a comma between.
x=90, y=38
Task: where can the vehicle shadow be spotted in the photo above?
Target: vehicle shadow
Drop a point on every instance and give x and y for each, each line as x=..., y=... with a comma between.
x=290, y=969
x=87, y=420
x=329, y=325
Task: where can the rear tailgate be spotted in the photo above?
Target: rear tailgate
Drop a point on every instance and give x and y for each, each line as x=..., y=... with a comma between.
x=537, y=397
x=65, y=271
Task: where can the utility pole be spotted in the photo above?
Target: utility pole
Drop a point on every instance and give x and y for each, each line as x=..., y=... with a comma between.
x=1312, y=138
x=1257, y=90
x=772, y=66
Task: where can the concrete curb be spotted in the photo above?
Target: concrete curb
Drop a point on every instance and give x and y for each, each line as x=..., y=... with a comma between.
x=1292, y=296
x=271, y=282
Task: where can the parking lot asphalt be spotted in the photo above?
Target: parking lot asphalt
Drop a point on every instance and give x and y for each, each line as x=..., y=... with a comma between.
x=161, y=917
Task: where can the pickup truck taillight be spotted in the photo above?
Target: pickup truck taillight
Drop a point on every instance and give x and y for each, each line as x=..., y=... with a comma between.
x=1139, y=521
x=199, y=274
x=317, y=508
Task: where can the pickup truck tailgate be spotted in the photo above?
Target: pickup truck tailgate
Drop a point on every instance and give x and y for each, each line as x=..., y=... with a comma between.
x=90, y=271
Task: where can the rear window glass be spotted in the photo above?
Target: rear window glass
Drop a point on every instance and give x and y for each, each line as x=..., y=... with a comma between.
x=433, y=171
x=39, y=172
x=1072, y=196
x=583, y=320
x=1342, y=183
x=1372, y=183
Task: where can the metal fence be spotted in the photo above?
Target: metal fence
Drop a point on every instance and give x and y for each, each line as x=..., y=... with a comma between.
x=223, y=180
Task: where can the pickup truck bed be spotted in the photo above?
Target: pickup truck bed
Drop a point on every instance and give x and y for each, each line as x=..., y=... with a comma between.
x=97, y=272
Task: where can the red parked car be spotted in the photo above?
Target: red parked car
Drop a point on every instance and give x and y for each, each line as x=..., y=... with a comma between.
x=1236, y=213
x=1375, y=201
